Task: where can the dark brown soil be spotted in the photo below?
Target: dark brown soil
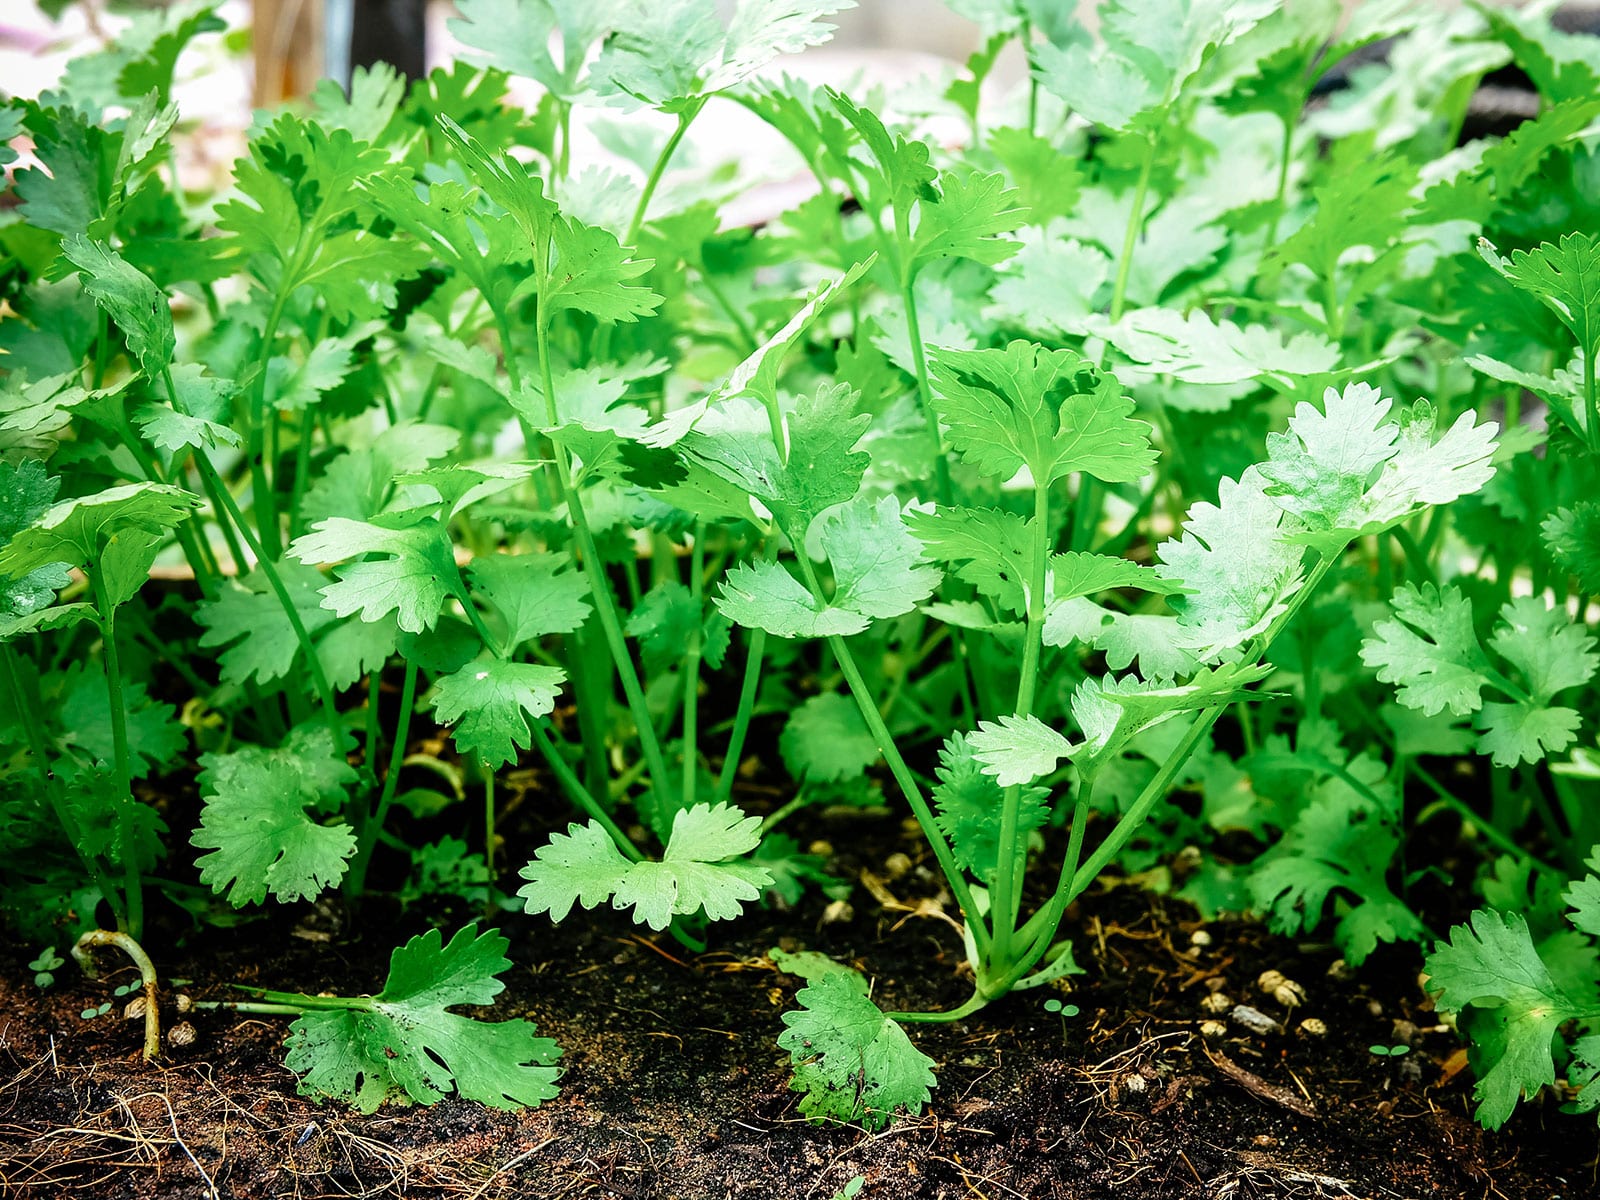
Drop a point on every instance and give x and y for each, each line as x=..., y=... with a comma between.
x=674, y=1086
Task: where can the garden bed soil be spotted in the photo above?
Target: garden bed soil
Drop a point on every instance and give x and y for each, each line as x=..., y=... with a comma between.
x=674, y=1088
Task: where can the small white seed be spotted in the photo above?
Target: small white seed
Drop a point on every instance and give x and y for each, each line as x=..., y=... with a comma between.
x=134, y=1009
x=1270, y=981
x=821, y=849
x=182, y=1034
x=1216, y=1002
x=1340, y=970
x=1213, y=1031
x=182, y=1002
x=1314, y=1027
x=896, y=865
x=1135, y=1083
x=1200, y=938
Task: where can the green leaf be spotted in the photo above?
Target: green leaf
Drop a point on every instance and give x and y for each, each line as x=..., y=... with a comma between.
x=667, y=53
x=534, y=594
x=1572, y=536
x=1345, y=473
x=155, y=738
x=129, y=297
x=1566, y=277
x=77, y=532
x=970, y=800
x=1018, y=749
x=1049, y=410
x=374, y=96
x=247, y=617
x=593, y=273
x=664, y=621
x=1046, y=180
x=1491, y=963
x=26, y=492
x=994, y=548
x=402, y=1045
x=972, y=210
x=412, y=580
x=518, y=36
x=1430, y=650
x=1237, y=569
x=490, y=703
x=1197, y=349
x=877, y=572
x=257, y=821
x=825, y=740
x=584, y=866
x=852, y=1062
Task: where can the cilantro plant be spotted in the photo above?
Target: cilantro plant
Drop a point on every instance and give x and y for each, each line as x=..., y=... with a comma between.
x=1202, y=442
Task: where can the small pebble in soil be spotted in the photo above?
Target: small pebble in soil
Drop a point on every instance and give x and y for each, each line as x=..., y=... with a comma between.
x=1403, y=1032
x=1375, y=1008
x=1254, y=1020
x=1213, y=1031
x=1200, y=939
x=838, y=912
x=182, y=1034
x=1216, y=983
x=820, y=848
x=896, y=865
x=1289, y=994
x=1339, y=971
x=1216, y=1002
x=1314, y=1027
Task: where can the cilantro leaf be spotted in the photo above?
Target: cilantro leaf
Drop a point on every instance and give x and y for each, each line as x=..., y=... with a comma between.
x=1238, y=571
x=965, y=221
x=412, y=579
x=1197, y=349
x=1345, y=473
x=1565, y=277
x=826, y=740
x=26, y=492
x=969, y=801
x=77, y=531
x=533, y=594
x=1491, y=963
x=402, y=1045
x=852, y=1062
x=1431, y=650
x=490, y=703
x=257, y=821
x=1018, y=749
x=877, y=573
x=583, y=866
x=247, y=617
x=1048, y=410
x=670, y=53
x=517, y=36
x=130, y=298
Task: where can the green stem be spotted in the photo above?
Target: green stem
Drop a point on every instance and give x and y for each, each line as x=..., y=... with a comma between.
x=919, y=360
x=741, y=717
x=691, y=668
x=1590, y=413
x=1012, y=860
x=908, y=784
x=265, y=505
x=132, y=886
x=319, y=678
x=488, y=835
x=685, y=119
x=356, y=879
x=1130, y=236
x=972, y=1005
x=784, y=811
x=580, y=795
x=605, y=603
x=1281, y=199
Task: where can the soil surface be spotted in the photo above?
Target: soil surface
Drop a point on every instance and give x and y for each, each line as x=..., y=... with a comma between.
x=674, y=1087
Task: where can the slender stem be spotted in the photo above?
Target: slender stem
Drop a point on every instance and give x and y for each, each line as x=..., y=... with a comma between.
x=488, y=835
x=319, y=678
x=908, y=786
x=1130, y=237
x=691, y=668
x=1590, y=413
x=685, y=119
x=741, y=717
x=966, y=1009
x=302, y=467
x=580, y=795
x=1008, y=868
x=784, y=811
x=356, y=879
x=605, y=603
x=1280, y=200
x=147, y=976
x=240, y=566
x=919, y=360
x=265, y=505
x=132, y=885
